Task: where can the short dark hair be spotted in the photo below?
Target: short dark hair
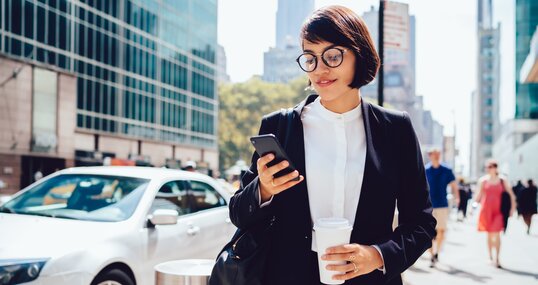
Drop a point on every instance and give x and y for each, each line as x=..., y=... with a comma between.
x=341, y=26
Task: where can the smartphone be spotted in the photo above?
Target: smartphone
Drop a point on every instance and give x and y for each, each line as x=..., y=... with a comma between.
x=265, y=144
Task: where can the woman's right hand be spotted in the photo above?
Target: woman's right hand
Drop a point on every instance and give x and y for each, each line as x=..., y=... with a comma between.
x=269, y=185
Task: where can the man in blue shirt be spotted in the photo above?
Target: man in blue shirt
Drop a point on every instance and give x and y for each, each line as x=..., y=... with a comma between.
x=439, y=177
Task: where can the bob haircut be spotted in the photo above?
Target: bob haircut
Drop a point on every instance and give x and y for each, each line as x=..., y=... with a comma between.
x=341, y=26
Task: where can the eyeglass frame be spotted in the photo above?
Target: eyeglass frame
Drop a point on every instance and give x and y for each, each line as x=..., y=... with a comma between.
x=342, y=51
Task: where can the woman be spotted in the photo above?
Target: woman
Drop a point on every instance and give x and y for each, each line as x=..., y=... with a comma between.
x=351, y=156
x=490, y=220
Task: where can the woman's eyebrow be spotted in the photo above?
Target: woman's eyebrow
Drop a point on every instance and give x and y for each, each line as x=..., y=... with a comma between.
x=329, y=47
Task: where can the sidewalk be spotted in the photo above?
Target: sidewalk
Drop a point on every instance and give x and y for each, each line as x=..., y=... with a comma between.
x=464, y=258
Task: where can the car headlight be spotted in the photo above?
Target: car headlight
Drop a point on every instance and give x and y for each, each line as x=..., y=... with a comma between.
x=16, y=271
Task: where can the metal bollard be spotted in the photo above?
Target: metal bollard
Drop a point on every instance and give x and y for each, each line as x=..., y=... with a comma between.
x=184, y=272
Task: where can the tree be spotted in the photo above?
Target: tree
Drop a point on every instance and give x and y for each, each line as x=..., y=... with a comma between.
x=241, y=107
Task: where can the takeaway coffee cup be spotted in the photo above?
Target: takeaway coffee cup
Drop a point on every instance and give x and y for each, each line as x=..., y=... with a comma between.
x=330, y=232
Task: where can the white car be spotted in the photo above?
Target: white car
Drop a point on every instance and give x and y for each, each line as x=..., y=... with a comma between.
x=110, y=225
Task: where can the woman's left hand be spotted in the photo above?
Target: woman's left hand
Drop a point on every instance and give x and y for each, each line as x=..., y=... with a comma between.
x=362, y=259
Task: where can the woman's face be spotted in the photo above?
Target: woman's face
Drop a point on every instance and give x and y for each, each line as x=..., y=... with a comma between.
x=331, y=83
x=491, y=168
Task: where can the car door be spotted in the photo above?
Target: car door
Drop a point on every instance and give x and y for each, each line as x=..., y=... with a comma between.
x=172, y=242
x=211, y=220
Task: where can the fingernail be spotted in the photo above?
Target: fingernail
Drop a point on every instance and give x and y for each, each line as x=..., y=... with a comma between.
x=271, y=156
x=324, y=256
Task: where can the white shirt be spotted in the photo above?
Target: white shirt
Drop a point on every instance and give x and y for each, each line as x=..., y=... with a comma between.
x=335, y=155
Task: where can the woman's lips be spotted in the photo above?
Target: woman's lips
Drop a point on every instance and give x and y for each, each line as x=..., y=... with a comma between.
x=325, y=83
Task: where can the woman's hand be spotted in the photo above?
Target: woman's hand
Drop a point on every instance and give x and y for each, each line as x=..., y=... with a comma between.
x=269, y=185
x=362, y=259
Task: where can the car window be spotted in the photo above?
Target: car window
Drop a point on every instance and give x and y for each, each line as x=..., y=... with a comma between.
x=172, y=195
x=203, y=196
x=81, y=196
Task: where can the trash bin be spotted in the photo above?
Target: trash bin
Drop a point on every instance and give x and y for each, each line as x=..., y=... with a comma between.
x=184, y=272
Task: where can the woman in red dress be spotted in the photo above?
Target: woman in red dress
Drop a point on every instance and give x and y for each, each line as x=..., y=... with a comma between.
x=490, y=190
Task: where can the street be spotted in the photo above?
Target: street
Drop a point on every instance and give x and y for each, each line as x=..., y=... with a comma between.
x=464, y=258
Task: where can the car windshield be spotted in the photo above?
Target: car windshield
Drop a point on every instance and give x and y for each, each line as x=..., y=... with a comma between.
x=81, y=197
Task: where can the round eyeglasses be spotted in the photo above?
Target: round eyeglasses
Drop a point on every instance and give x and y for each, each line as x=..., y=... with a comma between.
x=332, y=58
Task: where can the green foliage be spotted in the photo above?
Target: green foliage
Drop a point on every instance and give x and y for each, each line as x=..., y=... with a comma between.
x=241, y=108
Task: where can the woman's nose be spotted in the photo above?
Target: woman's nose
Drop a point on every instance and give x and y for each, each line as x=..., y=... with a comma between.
x=321, y=68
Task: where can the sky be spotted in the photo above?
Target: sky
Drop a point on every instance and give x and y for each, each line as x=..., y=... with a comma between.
x=446, y=49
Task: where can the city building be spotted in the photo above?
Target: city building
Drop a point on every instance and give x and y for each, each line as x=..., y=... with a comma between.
x=517, y=146
x=516, y=149
x=290, y=17
x=118, y=82
x=450, y=152
x=279, y=63
x=529, y=70
x=222, y=74
x=485, y=100
x=400, y=73
x=526, y=93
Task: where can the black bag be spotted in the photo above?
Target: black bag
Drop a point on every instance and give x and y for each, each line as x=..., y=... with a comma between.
x=242, y=260
x=506, y=205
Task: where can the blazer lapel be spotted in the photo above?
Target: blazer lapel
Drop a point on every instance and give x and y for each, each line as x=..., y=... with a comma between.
x=372, y=167
x=296, y=200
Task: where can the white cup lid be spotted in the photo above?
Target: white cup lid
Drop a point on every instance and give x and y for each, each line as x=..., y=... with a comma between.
x=332, y=223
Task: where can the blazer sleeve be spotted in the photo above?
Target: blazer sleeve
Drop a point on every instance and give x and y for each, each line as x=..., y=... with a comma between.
x=245, y=209
x=416, y=228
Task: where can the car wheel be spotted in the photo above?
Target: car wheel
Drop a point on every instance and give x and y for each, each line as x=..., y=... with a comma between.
x=113, y=277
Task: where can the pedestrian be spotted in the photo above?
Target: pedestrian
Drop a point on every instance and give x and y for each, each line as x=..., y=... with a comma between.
x=465, y=194
x=490, y=219
x=354, y=160
x=440, y=177
x=517, y=189
x=190, y=166
x=38, y=175
x=527, y=203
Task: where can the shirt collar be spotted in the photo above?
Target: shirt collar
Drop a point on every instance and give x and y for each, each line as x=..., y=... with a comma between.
x=319, y=109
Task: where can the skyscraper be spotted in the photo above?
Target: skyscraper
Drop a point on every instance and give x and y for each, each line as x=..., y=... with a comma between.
x=526, y=23
x=400, y=76
x=222, y=74
x=290, y=16
x=485, y=102
x=279, y=62
x=124, y=79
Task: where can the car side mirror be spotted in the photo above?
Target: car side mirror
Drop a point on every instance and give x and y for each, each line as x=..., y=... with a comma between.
x=163, y=217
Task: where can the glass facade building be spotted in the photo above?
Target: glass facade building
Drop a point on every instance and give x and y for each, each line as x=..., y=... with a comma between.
x=145, y=69
x=526, y=23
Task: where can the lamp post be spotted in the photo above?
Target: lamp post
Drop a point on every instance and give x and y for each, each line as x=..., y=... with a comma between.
x=380, y=75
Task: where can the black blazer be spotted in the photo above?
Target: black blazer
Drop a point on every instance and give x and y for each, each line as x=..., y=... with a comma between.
x=394, y=175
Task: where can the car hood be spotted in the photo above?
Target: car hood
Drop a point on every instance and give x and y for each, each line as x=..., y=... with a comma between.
x=25, y=236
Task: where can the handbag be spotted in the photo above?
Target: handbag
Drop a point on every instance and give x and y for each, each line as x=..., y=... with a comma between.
x=242, y=260
x=506, y=205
